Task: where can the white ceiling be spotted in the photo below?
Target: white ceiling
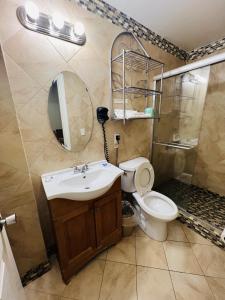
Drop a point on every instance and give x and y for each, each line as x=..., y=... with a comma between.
x=188, y=24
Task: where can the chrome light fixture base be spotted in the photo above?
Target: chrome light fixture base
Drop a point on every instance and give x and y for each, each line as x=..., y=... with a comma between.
x=45, y=25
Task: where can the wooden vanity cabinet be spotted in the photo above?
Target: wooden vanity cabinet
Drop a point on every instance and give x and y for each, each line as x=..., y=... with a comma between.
x=85, y=228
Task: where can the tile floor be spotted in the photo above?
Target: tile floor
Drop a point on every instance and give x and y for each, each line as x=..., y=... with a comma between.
x=186, y=266
x=206, y=205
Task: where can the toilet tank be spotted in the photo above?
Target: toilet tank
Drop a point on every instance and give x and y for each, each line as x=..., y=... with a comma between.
x=129, y=167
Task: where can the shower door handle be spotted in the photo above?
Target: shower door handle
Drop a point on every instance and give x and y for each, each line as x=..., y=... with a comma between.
x=174, y=145
x=7, y=221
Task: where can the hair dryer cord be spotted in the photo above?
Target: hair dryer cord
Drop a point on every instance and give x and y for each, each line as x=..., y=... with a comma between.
x=106, y=150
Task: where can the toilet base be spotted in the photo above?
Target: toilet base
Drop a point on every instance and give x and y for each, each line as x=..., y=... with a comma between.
x=154, y=228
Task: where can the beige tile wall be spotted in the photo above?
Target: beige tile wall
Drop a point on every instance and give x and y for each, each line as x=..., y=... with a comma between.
x=16, y=192
x=210, y=165
x=33, y=61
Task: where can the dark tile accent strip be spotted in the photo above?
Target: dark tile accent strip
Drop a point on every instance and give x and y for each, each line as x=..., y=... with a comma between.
x=195, y=223
x=117, y=17
x=206, y=50
x=202, y=210
x=199, y=202
x=201, y=227
x=35, y=273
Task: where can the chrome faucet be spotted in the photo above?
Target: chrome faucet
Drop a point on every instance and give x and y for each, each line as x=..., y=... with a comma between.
x=76, y=169
x=84, y=168
x=81, y=169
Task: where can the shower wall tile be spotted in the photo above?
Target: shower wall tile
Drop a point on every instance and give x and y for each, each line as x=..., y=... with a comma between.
x=32, y=62
x=210, y=166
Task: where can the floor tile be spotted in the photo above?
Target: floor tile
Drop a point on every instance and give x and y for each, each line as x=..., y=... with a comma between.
x=119, y=282
x=102, y=255
x=124, y=251
x=217, y=286
x=87, y=283
x=211, y=259
x=139, y=232
x=194, y=237
x=149, y=284
x=150, y=253
x=175, y=232
x=180, y=257
x=35, y=295
x=189, y=286
x=51, y=282
x=133, y=233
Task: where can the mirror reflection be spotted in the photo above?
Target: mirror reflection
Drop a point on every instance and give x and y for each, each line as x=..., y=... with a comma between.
x=70, y=111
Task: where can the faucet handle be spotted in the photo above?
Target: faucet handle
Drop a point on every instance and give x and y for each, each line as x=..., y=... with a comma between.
x=75, y=169
x=85, y=167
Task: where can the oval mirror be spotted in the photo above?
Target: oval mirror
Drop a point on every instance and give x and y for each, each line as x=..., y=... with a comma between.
x=70, y=111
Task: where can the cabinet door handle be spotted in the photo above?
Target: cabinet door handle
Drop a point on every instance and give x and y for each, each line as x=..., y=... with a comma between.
x=7, y=221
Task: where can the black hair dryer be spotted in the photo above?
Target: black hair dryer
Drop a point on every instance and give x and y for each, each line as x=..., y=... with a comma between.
x=102, y=117
x=102, y=114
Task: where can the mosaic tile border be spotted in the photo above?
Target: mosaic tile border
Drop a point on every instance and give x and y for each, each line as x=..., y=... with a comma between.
x=206, y=50
x=196, y=201
x=117, y=17
x=36, y=272
x=195, y=223
x=201, y=227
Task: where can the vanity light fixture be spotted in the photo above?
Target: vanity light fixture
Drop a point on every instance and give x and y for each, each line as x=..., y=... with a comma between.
x=30, y=17
x=79, y=29
x=32, y=10
x=58, y=20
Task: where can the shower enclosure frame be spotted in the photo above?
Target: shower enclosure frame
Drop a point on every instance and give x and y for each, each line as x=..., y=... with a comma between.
x=198, y=222
x=181, y=70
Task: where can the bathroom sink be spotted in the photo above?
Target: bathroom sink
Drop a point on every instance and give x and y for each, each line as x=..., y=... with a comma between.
x=93, y=183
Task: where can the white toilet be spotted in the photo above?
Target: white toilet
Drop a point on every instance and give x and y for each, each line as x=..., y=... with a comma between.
x=154, y=210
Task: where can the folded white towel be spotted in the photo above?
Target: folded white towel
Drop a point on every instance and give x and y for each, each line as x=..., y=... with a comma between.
x=129, y=114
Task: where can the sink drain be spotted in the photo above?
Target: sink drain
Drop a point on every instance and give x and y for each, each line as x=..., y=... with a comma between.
x=87, y=188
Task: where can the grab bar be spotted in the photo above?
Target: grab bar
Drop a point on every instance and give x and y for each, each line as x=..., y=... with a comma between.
x=175, y=145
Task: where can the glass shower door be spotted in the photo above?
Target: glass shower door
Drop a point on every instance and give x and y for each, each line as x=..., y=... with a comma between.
x=176, y=133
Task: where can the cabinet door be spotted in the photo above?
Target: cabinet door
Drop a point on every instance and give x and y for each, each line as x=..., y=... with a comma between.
x=108, y=213
x=76, y=240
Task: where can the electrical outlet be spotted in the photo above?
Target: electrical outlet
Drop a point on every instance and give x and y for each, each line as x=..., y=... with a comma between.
x=116, y=138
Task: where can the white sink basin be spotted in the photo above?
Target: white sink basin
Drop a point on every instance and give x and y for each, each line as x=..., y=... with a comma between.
x=96, y=181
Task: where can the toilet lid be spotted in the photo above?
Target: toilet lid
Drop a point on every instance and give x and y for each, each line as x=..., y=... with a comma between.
x=144, y=178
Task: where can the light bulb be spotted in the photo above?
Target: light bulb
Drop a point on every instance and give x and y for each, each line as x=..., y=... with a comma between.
x=58, y=20
x=79, y=29
x=32, y=10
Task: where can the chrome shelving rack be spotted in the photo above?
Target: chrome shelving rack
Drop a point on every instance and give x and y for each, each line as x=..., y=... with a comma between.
x=137, y=62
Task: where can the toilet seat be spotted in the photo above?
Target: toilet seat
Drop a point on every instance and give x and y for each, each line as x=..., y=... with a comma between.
x=157, y=205
x=144, y=178
x=153, y=209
